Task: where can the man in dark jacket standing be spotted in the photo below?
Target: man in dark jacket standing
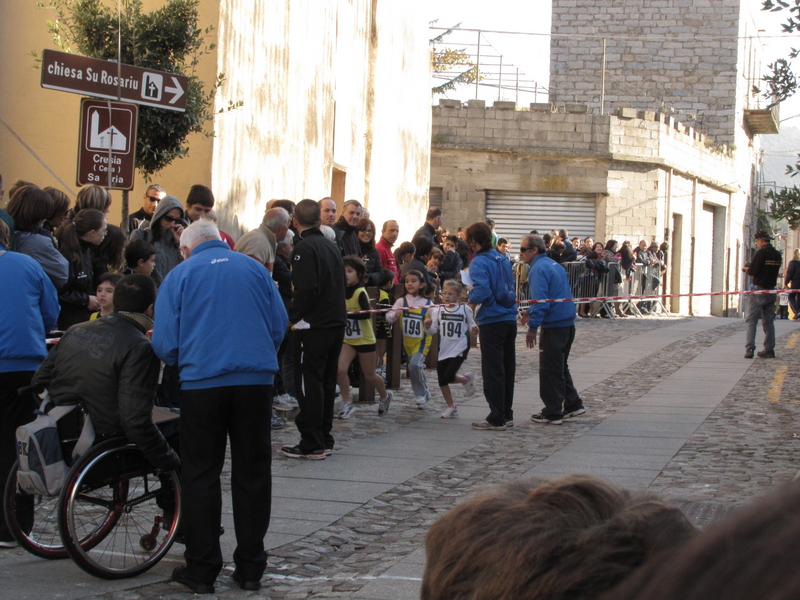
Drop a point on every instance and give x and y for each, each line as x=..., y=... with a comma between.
x=433, y=220
x=318, y=316
x=764, y=270
x=109, y=363
x=345, y=229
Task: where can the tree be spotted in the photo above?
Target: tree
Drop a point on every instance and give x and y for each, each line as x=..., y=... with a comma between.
x=166, y=39
x=448, y=59
x=781, y=84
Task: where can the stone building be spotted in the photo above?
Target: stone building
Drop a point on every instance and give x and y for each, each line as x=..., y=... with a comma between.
x=680, y=166
x=335, y=102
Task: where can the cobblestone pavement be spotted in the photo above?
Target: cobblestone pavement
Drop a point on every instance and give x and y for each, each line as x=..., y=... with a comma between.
x=746, y=446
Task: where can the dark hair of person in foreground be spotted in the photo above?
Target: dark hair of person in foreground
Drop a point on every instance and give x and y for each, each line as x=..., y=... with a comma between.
x=750, y=555
x=573, y=537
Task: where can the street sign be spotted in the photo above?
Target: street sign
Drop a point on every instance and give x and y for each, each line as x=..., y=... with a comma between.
x=94, y=77
x=104, y=129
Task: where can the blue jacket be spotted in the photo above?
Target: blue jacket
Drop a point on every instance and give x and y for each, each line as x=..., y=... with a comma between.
x=487, y=271
x=548, y=279
x=28, y=310
x=220, y=318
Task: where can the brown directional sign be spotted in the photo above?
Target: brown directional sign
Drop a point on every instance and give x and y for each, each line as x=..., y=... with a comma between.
x=100, y=78
x=107, y=137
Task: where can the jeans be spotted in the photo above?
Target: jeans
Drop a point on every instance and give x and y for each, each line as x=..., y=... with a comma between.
x=762, y=306
x=498, y=367
x=208, y=417
x=416, y=372
x=555, y=381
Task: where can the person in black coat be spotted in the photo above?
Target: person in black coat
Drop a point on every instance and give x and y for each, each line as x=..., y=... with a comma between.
x=368, y=253
x=793, y=281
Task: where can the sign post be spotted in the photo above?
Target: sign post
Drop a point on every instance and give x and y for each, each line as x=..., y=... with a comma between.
x=106, y=79
x=107, y=144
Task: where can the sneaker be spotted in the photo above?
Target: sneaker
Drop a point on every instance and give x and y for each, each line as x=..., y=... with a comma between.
x=181, y=575
x=346, y=411
x=422, y=401
x=509, y=423
x=766, y=354
x=8, y=544
x=575, y=413
x=295, y=452
x=469, y=385
x=485, y=425
x=281, y=403
x=383, y=403
x=541, y=418
x=246, y=584
x=278, y=422
x=452, y=411
x=328, y=452
x=290, y=401
x=749, y=353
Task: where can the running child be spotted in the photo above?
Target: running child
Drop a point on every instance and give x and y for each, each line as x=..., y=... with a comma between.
x=412, y=309
x=105, y=294
x=359, y=339
x=453, y=324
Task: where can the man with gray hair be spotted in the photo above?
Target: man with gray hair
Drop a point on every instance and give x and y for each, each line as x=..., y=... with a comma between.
x=547, y=280
x=220, y=319
x=260, y=243
x=345, y=228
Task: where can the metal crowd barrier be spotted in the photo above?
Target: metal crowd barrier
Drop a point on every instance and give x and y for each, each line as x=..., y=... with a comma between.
x=590, y=283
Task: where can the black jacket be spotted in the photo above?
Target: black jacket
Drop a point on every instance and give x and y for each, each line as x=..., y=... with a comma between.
x=318, y=281
x=451, y=266
x=110, y=364
x=793, y=274
x=346, y=238
x=765, y=267
x=282, y=274
x=372, y=260
x=428, y=231
x=74, y=296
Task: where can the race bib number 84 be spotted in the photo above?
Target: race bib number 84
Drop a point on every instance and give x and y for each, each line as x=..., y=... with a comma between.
x=352, y=329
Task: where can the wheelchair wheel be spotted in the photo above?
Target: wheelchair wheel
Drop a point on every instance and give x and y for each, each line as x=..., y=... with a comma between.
x=33, y=520
x=130, y=510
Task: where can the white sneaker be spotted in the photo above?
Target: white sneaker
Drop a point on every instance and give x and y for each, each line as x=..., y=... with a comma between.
x=8, y=544
x=383, y=404
x=469, y=385
x=452, y=411
x=422, y=401
x=347, y=410
x=291, y=401
x=280, y=403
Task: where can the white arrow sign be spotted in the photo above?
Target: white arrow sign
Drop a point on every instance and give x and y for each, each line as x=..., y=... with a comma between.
x=177, y=90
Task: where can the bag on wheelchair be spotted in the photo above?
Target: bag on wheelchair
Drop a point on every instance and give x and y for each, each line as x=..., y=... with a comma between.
x=42, y=468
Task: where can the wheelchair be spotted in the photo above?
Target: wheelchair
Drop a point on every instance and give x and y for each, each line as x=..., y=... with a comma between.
x=116, y=516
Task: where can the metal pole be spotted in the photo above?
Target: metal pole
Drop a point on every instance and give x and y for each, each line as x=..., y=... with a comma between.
x=500, y=78
x=478, y=66
x=516, y=98
x=603, y=79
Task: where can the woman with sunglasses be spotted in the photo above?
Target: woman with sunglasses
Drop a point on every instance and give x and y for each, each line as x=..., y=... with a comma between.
x=164, y=233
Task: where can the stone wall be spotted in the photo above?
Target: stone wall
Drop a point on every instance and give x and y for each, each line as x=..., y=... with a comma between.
x=680, y=54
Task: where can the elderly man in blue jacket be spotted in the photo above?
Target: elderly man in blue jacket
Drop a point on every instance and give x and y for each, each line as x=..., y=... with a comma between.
x=548, y=280
x=220, y=318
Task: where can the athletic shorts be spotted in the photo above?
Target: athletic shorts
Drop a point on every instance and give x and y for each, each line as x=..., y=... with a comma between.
x=447, y=368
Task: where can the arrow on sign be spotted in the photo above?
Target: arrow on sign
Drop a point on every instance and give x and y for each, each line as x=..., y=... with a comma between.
x=177, y=90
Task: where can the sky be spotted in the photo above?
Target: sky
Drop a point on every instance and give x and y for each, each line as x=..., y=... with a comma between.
x=531, y=53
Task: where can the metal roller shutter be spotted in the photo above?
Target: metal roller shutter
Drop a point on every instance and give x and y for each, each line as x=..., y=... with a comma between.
x=516, y=213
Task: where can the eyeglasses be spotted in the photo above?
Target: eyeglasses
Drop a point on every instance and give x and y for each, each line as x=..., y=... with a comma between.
x=170, y=219
x=154, y=198
x=524, y=249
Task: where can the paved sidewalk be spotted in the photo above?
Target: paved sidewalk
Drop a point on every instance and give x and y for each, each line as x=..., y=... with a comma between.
x=661, y=395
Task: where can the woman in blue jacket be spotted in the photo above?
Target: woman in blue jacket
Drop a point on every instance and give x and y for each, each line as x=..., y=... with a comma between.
x=496, y=313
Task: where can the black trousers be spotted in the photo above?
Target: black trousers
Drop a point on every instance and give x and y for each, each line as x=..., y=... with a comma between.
x=498, y=367
x=208, y=417
x=15, y=410
x=555, y=382
x=316, y=363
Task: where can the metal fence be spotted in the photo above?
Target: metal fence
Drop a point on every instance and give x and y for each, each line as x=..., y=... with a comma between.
x=598, y=280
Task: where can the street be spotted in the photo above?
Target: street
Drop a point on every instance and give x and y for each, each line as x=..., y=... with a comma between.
x=672, y=407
